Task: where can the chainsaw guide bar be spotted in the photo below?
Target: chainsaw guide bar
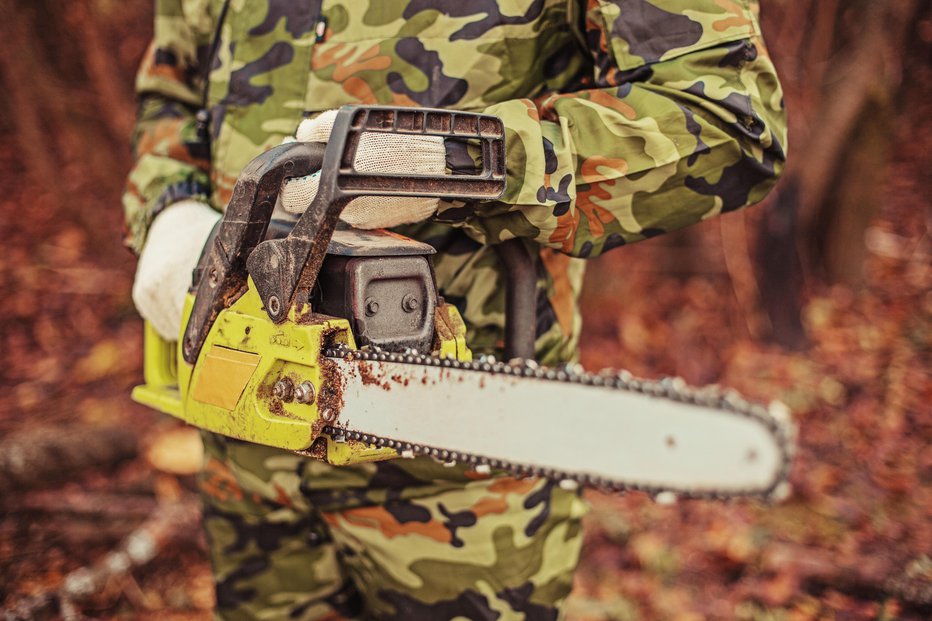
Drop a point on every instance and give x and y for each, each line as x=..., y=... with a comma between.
x=306, y=336
x=765, y=451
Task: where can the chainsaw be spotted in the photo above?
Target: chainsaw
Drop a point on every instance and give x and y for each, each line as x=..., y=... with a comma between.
x=332, y=342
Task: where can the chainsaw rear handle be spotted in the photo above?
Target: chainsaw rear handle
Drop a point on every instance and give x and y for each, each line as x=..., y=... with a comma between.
x=285, y=270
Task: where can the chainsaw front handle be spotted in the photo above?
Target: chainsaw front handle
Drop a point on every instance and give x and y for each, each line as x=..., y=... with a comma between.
x=285, y=270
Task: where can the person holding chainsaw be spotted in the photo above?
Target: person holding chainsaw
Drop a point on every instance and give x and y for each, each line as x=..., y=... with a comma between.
x=624, y=119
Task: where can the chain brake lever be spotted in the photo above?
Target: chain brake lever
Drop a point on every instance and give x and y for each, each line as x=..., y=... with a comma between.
x=284, y=270
x=223, y=266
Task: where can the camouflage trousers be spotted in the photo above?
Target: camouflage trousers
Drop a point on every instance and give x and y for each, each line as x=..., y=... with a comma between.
x=294, y=538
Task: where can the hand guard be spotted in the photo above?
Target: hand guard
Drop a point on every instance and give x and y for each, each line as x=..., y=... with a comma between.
x=386, y=153
x=163, y=273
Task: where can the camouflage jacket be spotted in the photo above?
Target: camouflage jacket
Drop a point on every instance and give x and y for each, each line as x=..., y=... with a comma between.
x=625, y=118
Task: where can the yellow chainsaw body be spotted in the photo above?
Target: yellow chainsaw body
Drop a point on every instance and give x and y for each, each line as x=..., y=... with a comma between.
x=230, y=389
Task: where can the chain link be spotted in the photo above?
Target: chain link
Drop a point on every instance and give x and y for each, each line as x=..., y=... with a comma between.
x=775, y=418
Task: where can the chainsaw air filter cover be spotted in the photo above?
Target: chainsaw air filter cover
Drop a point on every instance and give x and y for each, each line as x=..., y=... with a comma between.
x=383, y=283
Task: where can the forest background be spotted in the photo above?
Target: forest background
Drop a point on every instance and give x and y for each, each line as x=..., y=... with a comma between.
x=821, y=297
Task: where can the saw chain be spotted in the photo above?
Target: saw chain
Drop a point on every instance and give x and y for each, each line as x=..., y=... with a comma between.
x=775, y=418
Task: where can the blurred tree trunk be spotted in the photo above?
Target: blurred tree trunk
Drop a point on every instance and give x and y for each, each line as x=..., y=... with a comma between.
x=845, y=157
x=846, y=59
x=67, y=88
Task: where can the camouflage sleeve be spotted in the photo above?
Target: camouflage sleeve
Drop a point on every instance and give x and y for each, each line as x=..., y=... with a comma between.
x=684, y=120
x=171, y=160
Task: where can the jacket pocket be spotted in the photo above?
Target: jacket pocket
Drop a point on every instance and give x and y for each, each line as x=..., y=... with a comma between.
x=643, y=32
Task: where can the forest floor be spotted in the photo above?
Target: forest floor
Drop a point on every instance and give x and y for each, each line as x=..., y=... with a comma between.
x=854, y=541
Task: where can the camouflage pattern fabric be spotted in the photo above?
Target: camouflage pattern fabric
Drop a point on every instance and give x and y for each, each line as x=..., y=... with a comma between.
x=625, y=119
x=292, y=538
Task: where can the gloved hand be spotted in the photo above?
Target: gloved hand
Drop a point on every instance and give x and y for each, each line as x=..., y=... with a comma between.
x=385, y=153
x=163, y=274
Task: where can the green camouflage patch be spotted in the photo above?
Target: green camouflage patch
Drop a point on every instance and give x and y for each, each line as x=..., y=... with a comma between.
x=625, y=119
x=293, y=538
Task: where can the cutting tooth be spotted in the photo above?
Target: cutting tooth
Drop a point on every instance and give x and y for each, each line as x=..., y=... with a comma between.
x=782, y=492
x=407, y=454
x=779, y=411
x=483, y=469
x=733, y=399
x=450, y=464
x=665, y=498
x=569, y=485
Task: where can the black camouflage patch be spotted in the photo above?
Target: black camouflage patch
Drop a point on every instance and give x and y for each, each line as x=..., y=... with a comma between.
x=242, y=92
x=652, y=32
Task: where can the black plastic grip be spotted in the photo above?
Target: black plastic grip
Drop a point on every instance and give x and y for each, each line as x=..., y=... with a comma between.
x=284, y=270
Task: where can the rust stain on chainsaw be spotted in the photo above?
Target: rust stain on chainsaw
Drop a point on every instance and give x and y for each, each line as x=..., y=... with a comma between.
x=372, y=377
x=310, y=318
x=330, y=396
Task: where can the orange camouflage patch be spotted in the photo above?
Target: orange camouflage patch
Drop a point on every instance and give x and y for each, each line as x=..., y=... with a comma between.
x=282, y=497
x=501, y=488
x=149, y=68
x=379, y=518
x=488, y=506
x=359, y=90
x=217, y=481
x=563, y=301
x=532, y=111
x=739, y=18
x=474, y=475
x=596, y=217
x=513, y=485
x=162, y=139
x=590, y=168
x=613, y=103
x=336, y=55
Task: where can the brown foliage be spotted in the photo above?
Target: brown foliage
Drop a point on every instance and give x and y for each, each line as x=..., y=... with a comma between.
x=854, y=540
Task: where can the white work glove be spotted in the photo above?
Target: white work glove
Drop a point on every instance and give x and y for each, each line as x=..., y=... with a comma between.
x=163, y=274
x=377, y=152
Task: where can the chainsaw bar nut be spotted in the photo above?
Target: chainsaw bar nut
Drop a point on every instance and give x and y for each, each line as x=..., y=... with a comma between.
x=304, y=393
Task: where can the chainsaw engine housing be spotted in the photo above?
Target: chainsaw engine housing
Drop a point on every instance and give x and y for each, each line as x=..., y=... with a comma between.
x=383, y=283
